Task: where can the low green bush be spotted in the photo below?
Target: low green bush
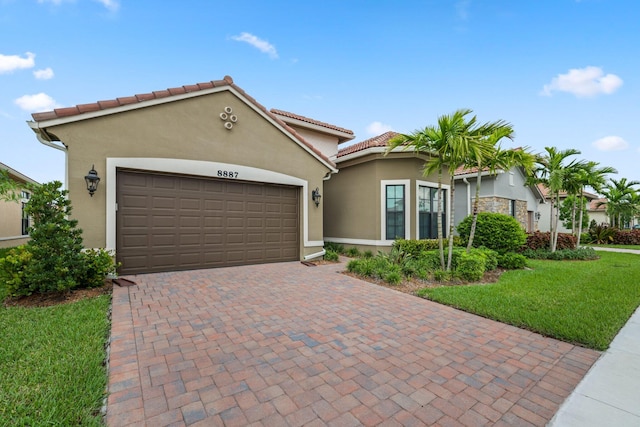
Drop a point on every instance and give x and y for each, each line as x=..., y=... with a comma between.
x=334, y=247
x=416, y=247
x=471, y=266
x=352, y=252
x=499, y=232
x=581, y=254
x=331, y=255
x=512, y=261
x=12, y=270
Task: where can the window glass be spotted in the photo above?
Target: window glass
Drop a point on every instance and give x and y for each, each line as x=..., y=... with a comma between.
x=395, y=212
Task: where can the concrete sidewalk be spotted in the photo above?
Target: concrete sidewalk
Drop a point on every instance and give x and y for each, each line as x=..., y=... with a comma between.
x=610, y=393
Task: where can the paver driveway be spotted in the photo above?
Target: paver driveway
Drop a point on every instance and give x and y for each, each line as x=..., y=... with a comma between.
x=289, y=345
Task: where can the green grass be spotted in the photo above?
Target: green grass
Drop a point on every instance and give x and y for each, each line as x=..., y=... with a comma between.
x=581, y=302
x=51, y=364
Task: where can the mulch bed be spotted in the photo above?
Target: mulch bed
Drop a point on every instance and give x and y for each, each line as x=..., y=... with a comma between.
x=55, y=298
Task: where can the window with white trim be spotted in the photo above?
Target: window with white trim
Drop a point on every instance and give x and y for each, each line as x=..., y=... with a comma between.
x=395, y=205
x=428, y=212
x=25, y=196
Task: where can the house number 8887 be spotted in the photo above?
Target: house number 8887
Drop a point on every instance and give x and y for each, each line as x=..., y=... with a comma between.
x=227, y=174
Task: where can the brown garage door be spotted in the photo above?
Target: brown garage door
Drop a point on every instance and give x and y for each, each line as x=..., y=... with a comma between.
x=169, y=222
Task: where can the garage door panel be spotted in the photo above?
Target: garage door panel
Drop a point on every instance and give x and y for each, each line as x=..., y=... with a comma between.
x=170, y=222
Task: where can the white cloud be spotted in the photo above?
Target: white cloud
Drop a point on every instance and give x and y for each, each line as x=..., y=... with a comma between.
x=36, y=103
x=583, y=82
x=611, y=143
x=44, y=74
x=262, y=45
x=9, y=63
x=378, y=128
x=55, y=2
x=111, y=5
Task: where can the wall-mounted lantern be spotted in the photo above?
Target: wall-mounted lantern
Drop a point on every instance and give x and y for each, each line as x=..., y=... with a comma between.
x=315, y=195
x=92, y=179
x=537, y=216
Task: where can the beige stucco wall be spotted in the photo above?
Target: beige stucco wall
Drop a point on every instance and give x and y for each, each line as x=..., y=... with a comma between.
x=353, y=209
x=10, y=219
x=188, y=129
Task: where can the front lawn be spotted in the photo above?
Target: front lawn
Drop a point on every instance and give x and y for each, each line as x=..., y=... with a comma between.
x=582, y=302
x=51, y=363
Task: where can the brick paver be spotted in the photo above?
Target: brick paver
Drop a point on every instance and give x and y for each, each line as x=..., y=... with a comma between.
x=290, y=345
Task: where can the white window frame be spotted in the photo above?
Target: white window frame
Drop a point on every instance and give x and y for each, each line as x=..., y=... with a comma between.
x=383, y=208
x=446, y=212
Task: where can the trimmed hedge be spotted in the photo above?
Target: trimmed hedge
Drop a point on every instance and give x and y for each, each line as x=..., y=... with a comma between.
x=539, y=240
x=626, y=237
x=499, y=232
x=416, y=247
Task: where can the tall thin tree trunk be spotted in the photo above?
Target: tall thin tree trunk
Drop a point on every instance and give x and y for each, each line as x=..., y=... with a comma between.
x=476, y=203
x=580, y=217
x=557, y=217
x=551, y=202
x=573, y=216
x=439, y=221
x=451, y=218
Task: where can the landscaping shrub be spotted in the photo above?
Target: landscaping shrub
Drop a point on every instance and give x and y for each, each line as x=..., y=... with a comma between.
x=626, y=237
x=352, y=252
x=334, y=247
x=512, y=261
x=499, y=232
x=580, y=254
x=491, y=257
x=601, y=234
x=53, y=260
x=331, y=255
x=416, y=247
x=367, y=254
x=471, y=266
x=540, y=240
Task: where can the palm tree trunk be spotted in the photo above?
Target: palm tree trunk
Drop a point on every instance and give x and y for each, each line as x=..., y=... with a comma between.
x=451, y=219
x=551, y=202
x=476, y=203
x=439, y=221
x=580, y=217
x=556, y=219
x=573, y=216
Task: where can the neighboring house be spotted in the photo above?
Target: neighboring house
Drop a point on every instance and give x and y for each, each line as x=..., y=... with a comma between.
x=597, y=210
x=195, y=176
x=545, y=220
x=323, y=136
x=377, y=198
x=14, y=224
x=503, y=192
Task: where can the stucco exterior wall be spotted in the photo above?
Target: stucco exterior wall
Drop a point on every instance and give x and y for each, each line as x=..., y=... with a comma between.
x=354, y=203
x=327, y=144
x=184, y=130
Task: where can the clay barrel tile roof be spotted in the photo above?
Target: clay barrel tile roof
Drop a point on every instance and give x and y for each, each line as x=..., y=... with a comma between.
x=376, y=141
x=311, y=121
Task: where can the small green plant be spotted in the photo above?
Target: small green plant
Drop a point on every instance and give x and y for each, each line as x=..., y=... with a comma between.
x=393, y=277
x=499, y=232
x=471, y=266
x=331, y=255
x=442, y=275
x=353, y=252
x=512, y=261
x=367, y=254
x=12, y=270
x=335, y=247
x=602, y=234
x=580, y=254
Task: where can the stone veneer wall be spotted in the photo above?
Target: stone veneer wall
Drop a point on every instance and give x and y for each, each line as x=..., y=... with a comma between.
x=501, y=205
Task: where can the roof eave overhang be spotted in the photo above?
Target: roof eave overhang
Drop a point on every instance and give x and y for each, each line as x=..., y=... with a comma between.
x=342, y=136
x=40, y=127
x=368, y=151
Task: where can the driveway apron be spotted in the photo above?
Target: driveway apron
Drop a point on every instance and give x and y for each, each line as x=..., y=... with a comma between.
x=290, y=345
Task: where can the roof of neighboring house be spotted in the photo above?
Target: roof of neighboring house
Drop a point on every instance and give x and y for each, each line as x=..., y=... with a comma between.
x=597, y=205
x=17, y=176
x=376, y=141
x=545, y=192
x=342, y=133
x=86, y=111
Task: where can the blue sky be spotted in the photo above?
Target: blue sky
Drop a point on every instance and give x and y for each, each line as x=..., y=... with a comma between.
x=565, y=73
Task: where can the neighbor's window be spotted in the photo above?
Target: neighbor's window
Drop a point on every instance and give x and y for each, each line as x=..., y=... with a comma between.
x=512, y=208
x=25, y=221
x=428, y=212
x=395, y=214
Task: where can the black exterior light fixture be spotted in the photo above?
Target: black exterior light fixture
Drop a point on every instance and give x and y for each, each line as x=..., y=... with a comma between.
x=537, y=216
x=92, y=179
x=315, y=195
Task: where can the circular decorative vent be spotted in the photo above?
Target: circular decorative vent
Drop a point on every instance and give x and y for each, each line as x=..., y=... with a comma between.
x=228, y=118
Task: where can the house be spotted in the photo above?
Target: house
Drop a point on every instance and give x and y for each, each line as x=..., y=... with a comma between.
x=505, y=191
x=378, y=197
x=545, y=220
x=597, y=210
x=195, y=176
x=14, y=224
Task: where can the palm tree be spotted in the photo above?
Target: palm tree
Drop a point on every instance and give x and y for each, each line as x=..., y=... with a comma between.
x=554, y=174
x=593, y=176
x=451, y=143
x=622, y=200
